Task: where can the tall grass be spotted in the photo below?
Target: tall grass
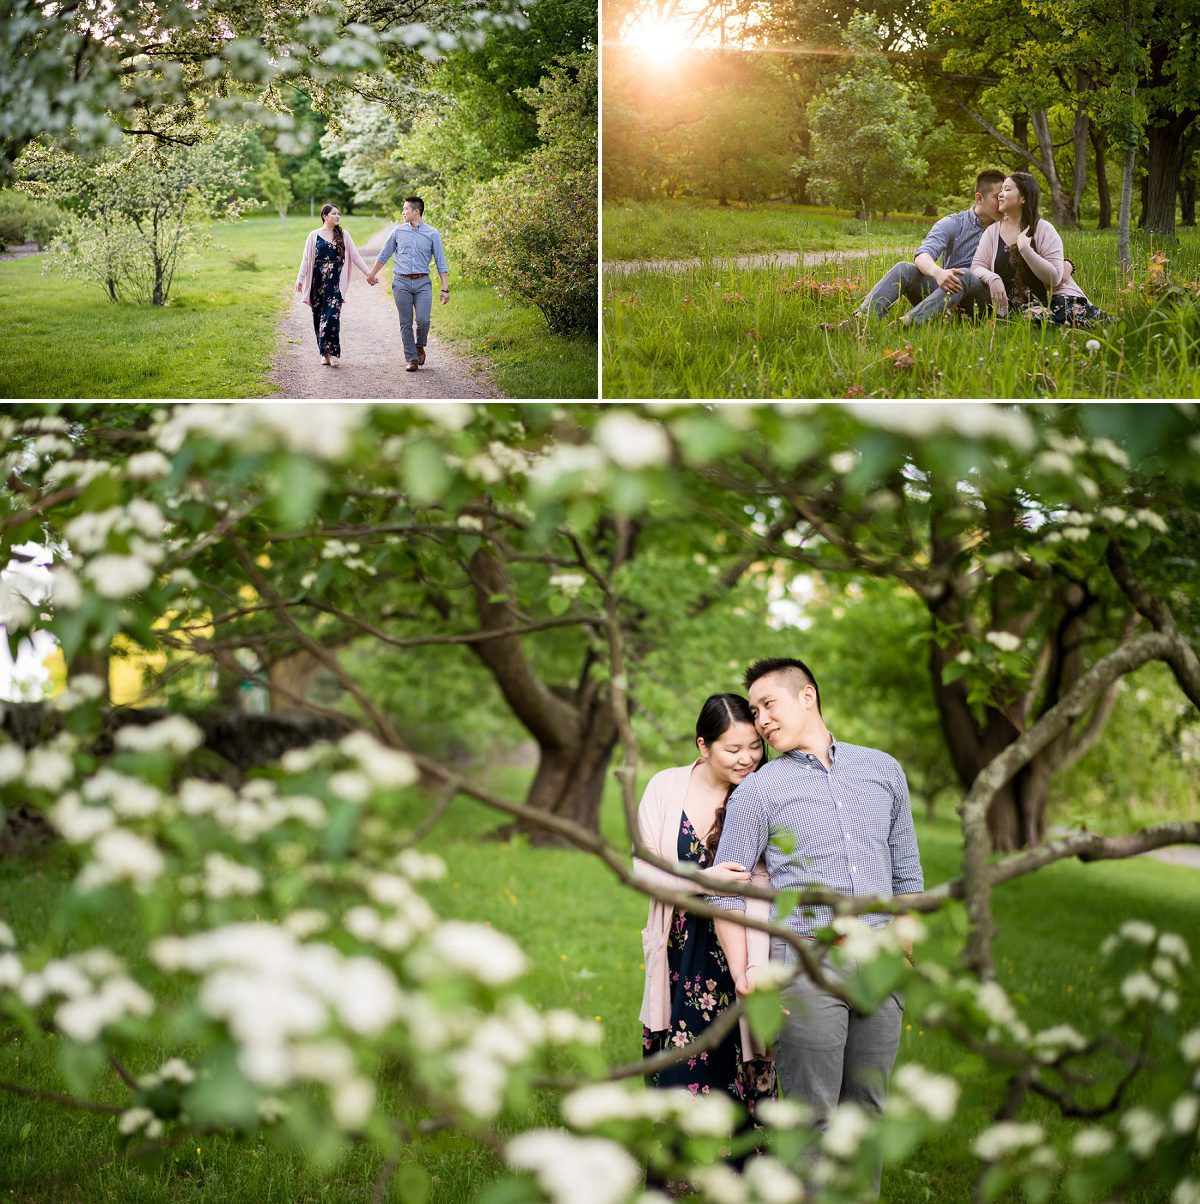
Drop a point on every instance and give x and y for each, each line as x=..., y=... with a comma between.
x=755, y=333
x=581, y=931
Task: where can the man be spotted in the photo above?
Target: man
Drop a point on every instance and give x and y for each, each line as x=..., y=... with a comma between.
x=927, y=286
x=414, y=243
x=849, y=811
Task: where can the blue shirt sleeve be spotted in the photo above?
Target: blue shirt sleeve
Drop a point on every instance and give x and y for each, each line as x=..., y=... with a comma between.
x=907, y=875
x=743, y=837
x=438, y=257
x=938, y=240
x=389, y=248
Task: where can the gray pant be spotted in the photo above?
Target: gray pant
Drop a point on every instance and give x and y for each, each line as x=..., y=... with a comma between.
x=413, y=298
x=975, y=298
x=921, y=291
x=827, y=1053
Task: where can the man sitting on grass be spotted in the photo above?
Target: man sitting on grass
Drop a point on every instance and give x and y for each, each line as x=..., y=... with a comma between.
x=927, y=286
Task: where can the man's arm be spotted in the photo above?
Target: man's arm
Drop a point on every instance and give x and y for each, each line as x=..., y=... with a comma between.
x=907, y=876
x=933, y=248
x=389, y=249
x=439, y=258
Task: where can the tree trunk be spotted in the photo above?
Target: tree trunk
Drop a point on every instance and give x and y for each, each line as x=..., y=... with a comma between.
x=1079, y=146
x=1162, y=172
x=290, y=679
x=1066, y=216
x=570, y=776
x=1020, y=124
x=1187, y=200
x=1100, y=147
x=1124, y=257
x=94, y=664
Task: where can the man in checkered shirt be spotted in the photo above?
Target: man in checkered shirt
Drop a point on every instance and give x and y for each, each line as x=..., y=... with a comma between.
x=848, y=809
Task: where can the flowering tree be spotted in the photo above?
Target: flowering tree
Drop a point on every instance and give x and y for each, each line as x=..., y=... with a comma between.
x=192, y=517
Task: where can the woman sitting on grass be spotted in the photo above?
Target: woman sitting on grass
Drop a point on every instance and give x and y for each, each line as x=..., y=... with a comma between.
x=324, y=280
x=1019, y=263
x=688, y=983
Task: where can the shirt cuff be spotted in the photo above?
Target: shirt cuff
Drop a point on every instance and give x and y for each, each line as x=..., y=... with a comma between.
x=727, y=902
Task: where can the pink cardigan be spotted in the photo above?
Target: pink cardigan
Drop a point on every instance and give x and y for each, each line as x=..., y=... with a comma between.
x=659, y=817
x=304, y=279
x=1044, y=257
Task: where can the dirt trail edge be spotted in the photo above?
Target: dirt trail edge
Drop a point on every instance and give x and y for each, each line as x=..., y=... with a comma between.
x=766, y=259
x=372, y=363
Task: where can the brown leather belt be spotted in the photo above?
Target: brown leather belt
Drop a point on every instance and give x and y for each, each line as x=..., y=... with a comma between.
x=414, y=275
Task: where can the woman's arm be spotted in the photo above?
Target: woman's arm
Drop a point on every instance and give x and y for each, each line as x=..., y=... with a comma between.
x=985, y=256
x=356, y=258
x=648, y=837
x=1047, y=265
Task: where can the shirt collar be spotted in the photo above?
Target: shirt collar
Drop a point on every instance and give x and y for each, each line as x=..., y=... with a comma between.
x=808, y=758
x=975, y=218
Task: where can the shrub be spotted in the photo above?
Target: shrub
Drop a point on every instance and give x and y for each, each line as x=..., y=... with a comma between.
x=26, y=219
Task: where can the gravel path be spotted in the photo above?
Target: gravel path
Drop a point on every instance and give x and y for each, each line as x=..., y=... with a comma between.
x=769, y=259
x=372, y=363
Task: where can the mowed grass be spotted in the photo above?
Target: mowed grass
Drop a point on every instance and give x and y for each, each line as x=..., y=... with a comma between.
x=217, y=335
x=755, y=333
x=581, y=931
x=690, y=229
x=526, y=359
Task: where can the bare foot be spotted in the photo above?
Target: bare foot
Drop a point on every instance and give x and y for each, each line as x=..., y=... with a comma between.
x=326, y=362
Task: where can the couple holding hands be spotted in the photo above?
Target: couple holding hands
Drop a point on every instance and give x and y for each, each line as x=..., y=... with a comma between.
x=324, y=278
x=848, y=809
x=1000, y=255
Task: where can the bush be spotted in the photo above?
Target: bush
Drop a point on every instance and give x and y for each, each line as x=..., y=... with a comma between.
x=532, y=232
x=25, y=219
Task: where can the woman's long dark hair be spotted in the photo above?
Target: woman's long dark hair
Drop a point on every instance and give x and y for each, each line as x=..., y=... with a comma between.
x=339, y=239
x=718, y=714
x=1031, y=196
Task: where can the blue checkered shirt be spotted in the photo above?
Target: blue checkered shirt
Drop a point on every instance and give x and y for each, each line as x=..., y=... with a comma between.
x=414, y=247
x=953, y=239
x=852, y=823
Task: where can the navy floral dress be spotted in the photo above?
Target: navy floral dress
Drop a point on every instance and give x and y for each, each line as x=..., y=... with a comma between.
x=701, y=989
x=326, y=297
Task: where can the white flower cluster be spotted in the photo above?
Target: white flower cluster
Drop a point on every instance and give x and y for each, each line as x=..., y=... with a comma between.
x=476, y=950
x=322, y=431
x=861, y=942
x=1006, y=641
x=995, y=1004
x=384, y=767
x=568, y=460
x=225, y=878
x=420, y=867
x=1011, y=1137
x=1165, y=954
x=94, y=990
x=575, y=1170
x=82, y=472
x=174, y=734
x=936, y=1095
x=568, y=583
x=282, y=1002
x=631, y=442
x=846, y=1129
x=136, y=1120
x=708, y=1115
x=173, y=1070
x=82, y=689
x=972, y=420
x=147, y=466
x=257, y=809
x=47, y=767
x=1051, y=1042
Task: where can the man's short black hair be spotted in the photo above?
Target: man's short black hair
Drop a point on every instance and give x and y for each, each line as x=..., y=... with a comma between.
x=416, y=200
x=986, y=179
x=781, y=664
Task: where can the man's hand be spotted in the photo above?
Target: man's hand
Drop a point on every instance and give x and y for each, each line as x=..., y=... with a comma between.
x=746, y=984
x=445, y=296
x=371, y=280
x=948, y=280
x=728, y=871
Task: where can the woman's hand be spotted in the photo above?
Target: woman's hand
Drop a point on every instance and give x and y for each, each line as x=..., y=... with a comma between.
x=1024, y=242
x=299, y=286
x=728, y=871
x=999, y=296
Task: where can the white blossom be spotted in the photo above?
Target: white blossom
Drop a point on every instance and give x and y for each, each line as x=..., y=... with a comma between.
x=1138, y=931
x=1187, y=1191
x=133, y=1119
x=587, y=1107
x=1189, y=1045
x=575, y=1170
x=175, y=734
x=978, y=420
x=480, y=951
x=11, y=970
x=564, y=461
x=125, y=855
x=1006, y=1138
x=843, y=462
x=783, y=1113
x=77, y=822
x=12, y=763
x=65, y=591
x=1093, y=345
x=386, y=767
x=860, y=942
x=772, y=1182
x=1185, y=1111
x=719, y=1183
x=147, y=466
x=7, y=939
x=1140, y=988
x=420, y=867
x=89, y=532
x=1006, y=641
x=351, y=787
x=49, y=770
x=115, y=576
x=307, y=922
x=847, y=1128
x=568, y=583
x=1173, y=945
x=1143, y=1130
x=1092, y=1143
x=708, y=1115
x=301, y=760
x=176, y=1070
x=1061, y=1037
x=351, y=1102
x=1148, y=518
x=225, y=878
x=935, y=1094
x=632, y=442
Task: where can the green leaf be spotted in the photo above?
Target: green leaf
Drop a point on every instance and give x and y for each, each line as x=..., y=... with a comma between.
x=1038, y=1188
x=764, y=1013
x=952, y=672
x=223, y=1096
x=412, y=1184
x=425, y=472
x=296, y=484
x=81, y=1066
x=558, y=604
x=509, y=1190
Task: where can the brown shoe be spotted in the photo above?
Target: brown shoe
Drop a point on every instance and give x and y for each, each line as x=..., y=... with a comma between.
x=420, y=355
x=412, y=366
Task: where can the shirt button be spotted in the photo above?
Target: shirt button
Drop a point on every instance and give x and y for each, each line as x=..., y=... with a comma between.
x=854, y=869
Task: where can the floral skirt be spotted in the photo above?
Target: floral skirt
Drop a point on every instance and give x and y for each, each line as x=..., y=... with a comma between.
x=1067, y=311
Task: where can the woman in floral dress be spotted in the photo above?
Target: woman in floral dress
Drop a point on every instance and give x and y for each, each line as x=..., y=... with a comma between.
x=324, y=280
x=688, y=984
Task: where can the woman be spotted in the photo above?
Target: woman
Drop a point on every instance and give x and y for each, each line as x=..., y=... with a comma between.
x=1020, y=257
x=324, y=280
x=1069, y=305
x=688, y=983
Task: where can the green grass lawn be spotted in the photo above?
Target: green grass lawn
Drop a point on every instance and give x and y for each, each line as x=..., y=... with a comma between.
x=527, y=360
x=216, y=338
x=581, y=931
x=686, y=229
x=755, y=333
